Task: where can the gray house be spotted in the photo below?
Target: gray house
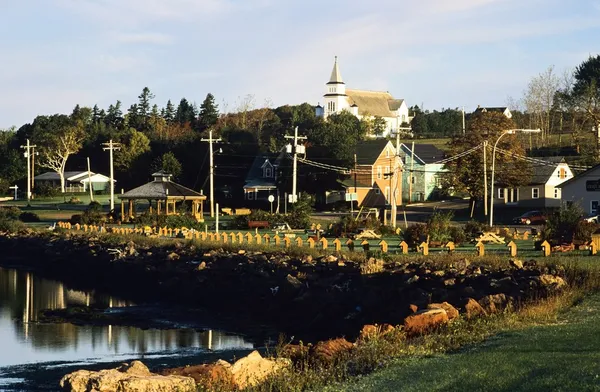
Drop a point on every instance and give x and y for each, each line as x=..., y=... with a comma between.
x=584, y=189
x=542, y=191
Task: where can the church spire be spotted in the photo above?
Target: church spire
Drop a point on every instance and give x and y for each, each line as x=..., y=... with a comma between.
x=336, y=77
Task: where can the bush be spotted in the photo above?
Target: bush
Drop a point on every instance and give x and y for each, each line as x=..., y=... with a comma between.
x=563, y=223
x=9, y=213
x=438, y=226
x=46, y=190
x=584, y=230
x=416, y=234
x=457, y=235
x=29, y=217
x=11, y=226
x=473, y=228
x=92, y=215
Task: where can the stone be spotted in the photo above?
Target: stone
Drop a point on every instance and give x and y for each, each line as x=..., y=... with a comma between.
x=210, y=376
x=439, y=273
x=425, y=321
x=241, y=252
x=370, y=331
x=134, y=377
x=451, y=311
x=307, y=259
x=462, y=264
x=173, y=256
x=413, y=279
x=331, y=259
x=552, y=282
x=328, y=351
x=253, y=368
x=294, y=282
x=450, y=282
x=413, y=308
x=202, y=266
x=473, y=309
x=516, y=263
x=495, y=303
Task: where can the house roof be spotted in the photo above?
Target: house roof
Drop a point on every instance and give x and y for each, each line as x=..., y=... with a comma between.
x=542, y=173
x=336, y=76
x=255, y=179
x=162, y=190
x=368, y=151
x=500, y=109
x=579, y=176
x=424, y=153
x=53, y=176
x=348, y=182
x=374, y=103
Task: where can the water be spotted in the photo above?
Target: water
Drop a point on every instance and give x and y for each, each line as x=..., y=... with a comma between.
x=26, y=342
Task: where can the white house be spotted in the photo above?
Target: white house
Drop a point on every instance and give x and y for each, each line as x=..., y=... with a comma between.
x=75, y=181
x=584, y=189
x=363, y=103
x=543, y=189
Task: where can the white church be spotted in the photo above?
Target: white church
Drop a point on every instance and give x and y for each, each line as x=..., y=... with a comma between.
x=363, y=103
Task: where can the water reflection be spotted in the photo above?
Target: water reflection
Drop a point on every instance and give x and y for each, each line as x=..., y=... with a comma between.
x=22, y=340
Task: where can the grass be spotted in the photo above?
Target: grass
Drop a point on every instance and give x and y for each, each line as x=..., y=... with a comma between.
x=562, y=356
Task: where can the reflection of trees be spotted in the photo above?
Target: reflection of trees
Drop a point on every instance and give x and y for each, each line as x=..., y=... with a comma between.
x=23, y=296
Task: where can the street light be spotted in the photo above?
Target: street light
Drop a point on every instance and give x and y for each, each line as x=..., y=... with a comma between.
x=506, y=132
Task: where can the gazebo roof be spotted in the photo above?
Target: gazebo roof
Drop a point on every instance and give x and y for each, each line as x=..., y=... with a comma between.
x=162, y=188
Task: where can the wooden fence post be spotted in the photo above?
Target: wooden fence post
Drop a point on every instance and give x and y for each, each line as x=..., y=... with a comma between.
x=365, y=245
x=450, y=246
x=350, y=245
x=404, y=247
x=480, y=249
x=383, y=246
x=423, y=248
x=311, y=243
x=324, y=243
x=546, y=249
x=299, y=242
x=337, y=245
x=512, y=248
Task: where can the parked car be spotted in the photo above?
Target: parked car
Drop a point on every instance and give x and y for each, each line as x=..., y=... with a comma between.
x=591, y=218
x=531, y=218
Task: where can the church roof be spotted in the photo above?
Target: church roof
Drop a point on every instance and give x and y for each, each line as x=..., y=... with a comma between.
x=336, y=76
x=374, y=103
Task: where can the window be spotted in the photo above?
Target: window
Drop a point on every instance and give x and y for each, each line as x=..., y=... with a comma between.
x=535, y=193
x=387, y=171
x=333, y=106
x=268, y=172
x=562, y=173
x=556, y=193
x=594, y=207
x=404, y=118
x=250, y=195
x=379, y=175
x=387, y=195
x=377, y=191
x=387, y=152
x=501, y=194
x=412, y=180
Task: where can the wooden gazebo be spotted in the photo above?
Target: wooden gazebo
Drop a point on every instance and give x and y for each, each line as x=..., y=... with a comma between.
x=162, y=194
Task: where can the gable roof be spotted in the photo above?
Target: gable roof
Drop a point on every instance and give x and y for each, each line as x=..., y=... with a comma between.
x=374, y=103
x=579, y=176
x=424, y=153
x=542, y=173
x=254, y=178
x=53, y=176
x=159, y=189
x=500, y=109
x=368, y=151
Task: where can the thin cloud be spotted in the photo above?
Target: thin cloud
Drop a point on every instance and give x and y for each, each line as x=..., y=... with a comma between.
x=143, y=38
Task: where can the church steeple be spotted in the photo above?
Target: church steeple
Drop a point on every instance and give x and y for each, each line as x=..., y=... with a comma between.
x=336, y=77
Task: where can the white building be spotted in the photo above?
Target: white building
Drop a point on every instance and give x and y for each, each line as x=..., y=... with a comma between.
x=363, y=103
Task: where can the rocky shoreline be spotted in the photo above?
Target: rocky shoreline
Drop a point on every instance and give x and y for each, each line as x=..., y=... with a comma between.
x=309, y=298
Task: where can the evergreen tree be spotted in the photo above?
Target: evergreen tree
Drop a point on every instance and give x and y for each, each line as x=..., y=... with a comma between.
x=185, y=112
x=209, y=113
x=143, y=106
x=169, y=114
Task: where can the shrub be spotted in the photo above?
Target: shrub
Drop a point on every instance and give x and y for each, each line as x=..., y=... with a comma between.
x=416, y=234
x=457, y=235
x=9, y=213
x=46, y=190
x=92, y=215
x=584, y=230
x=473, y=228
x=74, y=200
x=562, y=224
x=438, y=226
x=11, y=226
x=29, y=217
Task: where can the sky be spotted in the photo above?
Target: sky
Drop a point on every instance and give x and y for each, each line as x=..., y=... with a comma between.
x=55, y=54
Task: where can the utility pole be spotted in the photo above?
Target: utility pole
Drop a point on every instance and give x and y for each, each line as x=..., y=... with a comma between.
x=110, y=146
x=463, y=120
x=33, y=154
x=394, y=209
x=28, y=147
x=296, y=147
x=90, y=180
x=411, y=178
x=210, y=141
x=485, y=189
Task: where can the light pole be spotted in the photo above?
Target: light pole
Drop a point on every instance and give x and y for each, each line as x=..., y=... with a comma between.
x=210, y=141
x=506, y=132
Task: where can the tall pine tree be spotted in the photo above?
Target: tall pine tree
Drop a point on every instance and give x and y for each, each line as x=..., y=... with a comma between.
x=209, y=113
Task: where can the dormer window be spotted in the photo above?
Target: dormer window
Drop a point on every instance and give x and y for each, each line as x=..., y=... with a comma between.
x=268, y=172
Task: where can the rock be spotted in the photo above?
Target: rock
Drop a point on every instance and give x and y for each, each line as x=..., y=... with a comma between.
x=172, y=256
x=241, y=252
x=370, y=331
x=451, y=311
x=439, y=273
x=211, y=376
x=552, y=282
x=130, y=249
x=462, y=264
x=450, y=282
x=307, y=259
x=202, y=266
x=473, y=309
x=495, y=303
x=134, y=377
x=294, y=282
x=516, y=263
x=253, y=368
x=413, y=279
x=331, y=259
x=295, y=352
x=413, y=308
x=326, y=352
x=425, y=321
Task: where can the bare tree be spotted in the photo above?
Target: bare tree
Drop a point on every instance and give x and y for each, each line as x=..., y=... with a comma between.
x=539, y=99
x=56, y=147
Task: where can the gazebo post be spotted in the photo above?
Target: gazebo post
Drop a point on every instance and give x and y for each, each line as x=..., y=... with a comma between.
x=131, y=213
x=122, y=211
x=175, y=207
x=157, y=207
x=151, y=209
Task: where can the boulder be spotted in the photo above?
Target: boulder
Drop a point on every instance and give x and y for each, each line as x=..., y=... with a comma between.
x=425, y=321
x=551, y=282
x=370, y=331
x=451, y=311
x=211, y=376
x=172, y=256
x=326, y=352
x=134, y=377
x=412, y=308
x=516, y=263
x=253, y=368
x=473, y=309
x=495, y=303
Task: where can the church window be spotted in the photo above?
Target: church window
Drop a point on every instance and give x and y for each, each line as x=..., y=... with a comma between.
x=333, y=106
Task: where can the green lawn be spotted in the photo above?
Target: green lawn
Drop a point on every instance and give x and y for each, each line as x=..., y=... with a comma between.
x=559, y=357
